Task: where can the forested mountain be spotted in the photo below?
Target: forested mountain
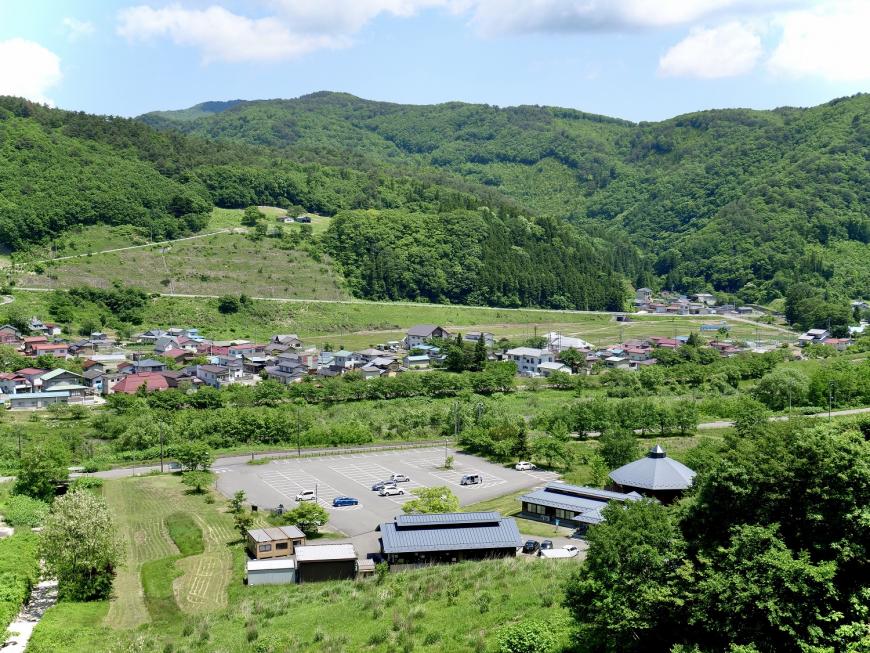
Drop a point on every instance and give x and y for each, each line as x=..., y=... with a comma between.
x=736, y=200
x=396, y=230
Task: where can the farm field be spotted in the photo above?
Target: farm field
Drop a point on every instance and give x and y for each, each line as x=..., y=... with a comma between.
x=359, y=324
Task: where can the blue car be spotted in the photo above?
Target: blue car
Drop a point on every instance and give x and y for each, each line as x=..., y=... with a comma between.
x=380, y=485
x=338, y=502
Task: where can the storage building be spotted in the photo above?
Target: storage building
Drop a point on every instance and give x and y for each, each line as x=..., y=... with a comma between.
x=280, y=571
x=325, y=562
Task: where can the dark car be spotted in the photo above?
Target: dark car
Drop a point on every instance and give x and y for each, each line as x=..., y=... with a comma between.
x=531, y=546
x=380, y=485
x=546, y=544
x=338, y=502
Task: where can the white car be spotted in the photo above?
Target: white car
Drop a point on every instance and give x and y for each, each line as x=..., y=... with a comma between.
x=307, y=495
x=570, y=548
x=524, y=466
x=391, y=491
x=399, y=478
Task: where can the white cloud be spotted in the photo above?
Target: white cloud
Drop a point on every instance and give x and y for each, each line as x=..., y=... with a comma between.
x=830, y=42
x=493, y=17
x=724, y=51
x=221, y=35
x=348, y=16
x=77, y=29
x=28, y=69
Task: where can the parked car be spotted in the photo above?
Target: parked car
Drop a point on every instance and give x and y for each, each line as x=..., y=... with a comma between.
x=531, y=546
x=471, y=479
x=524, y=466
x=546, y=544
x=339, y=502
x=570, y=548
x=399, y=478
x=380, y=485
x=391, y=491
x=307, y=495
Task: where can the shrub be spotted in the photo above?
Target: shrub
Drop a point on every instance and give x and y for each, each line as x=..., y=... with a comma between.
x=21, y=510
x=526, y=637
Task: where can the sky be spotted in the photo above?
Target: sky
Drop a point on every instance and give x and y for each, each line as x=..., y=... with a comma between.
x=633, y=59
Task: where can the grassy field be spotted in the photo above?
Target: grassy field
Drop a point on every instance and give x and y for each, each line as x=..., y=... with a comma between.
x=358, y=324
x=145, y=509
x=214, y=265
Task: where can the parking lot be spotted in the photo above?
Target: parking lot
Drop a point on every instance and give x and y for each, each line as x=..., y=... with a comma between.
x=279, y=481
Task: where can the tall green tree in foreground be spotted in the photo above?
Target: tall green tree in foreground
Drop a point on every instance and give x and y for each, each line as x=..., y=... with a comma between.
x=42, y=468
x=80, y=547
x=769, y=553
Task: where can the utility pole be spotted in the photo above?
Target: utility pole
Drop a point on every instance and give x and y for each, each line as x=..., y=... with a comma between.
x=830, y=397
x=161, y=447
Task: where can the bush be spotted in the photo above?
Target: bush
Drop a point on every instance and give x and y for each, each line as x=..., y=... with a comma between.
x=19, y=571
x=21, y=510
x=526, y=637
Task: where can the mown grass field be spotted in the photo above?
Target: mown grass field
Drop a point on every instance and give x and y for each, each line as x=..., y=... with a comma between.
x=144, y=509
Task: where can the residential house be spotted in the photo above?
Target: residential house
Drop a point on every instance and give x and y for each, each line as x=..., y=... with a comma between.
x=546, y=369
x=12, y=383
x=256, y=363
x=528, y=359
x=30, y=342
x=664, y=343
x=151, y=336
x=48, y=329
x=59, y=376
x=474, y=336
x=813, y=336
x=638, y=352
x=420, y=333
x=643, y=296
x=557, y=343
x=56, y=349
x=95, y=379
x=178, y=355
x=368, y=355
x=289, y=369
x=290, y=340
x=32, y=377
x=705, y=298
x=144, y=366
x=384, y=366
x=36, y=400
x=10, y=336
x=220, y=375
x=148, y=381
x=242, y=349
x=840, y=344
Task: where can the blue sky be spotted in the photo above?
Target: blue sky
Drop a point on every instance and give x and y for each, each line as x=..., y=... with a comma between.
x=635, y=59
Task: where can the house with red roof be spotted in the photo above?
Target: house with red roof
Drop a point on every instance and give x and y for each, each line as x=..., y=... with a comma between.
x=31, y=341
x=132, y=383
x=58, y=349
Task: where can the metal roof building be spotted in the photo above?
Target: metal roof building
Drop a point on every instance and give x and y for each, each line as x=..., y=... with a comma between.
x=571, y=505
x=654, y=474
x=325, y=562
x=449, y=537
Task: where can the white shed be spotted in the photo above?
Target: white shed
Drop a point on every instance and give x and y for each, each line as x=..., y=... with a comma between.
x=277, y=571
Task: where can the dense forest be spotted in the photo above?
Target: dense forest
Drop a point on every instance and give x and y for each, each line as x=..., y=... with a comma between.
x=739, y=201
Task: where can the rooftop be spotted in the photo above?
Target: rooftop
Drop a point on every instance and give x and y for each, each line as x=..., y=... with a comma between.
x=275, y=533
x=449, y=532
x=422, y=330
x=655, y=471
x=527, y=351
x=325, y=552
x=586, y=502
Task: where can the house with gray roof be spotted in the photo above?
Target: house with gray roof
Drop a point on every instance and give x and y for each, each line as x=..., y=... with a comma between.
x=423, y=539
x=420, y=333
x=568, y=505
x=654, y=475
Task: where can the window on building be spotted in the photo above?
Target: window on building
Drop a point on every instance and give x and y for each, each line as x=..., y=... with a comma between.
x=263, y=548
x=281, y=546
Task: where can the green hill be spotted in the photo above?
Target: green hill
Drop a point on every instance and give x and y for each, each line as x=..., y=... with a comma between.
x=64, y=170
x=736, y=200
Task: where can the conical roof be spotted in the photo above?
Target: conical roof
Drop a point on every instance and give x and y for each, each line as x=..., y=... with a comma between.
x=655, y=471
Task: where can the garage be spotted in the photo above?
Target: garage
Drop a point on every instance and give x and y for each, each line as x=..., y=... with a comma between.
x=278, y=571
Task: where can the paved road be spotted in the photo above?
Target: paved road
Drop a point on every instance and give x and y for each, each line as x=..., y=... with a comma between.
x=723, y=424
